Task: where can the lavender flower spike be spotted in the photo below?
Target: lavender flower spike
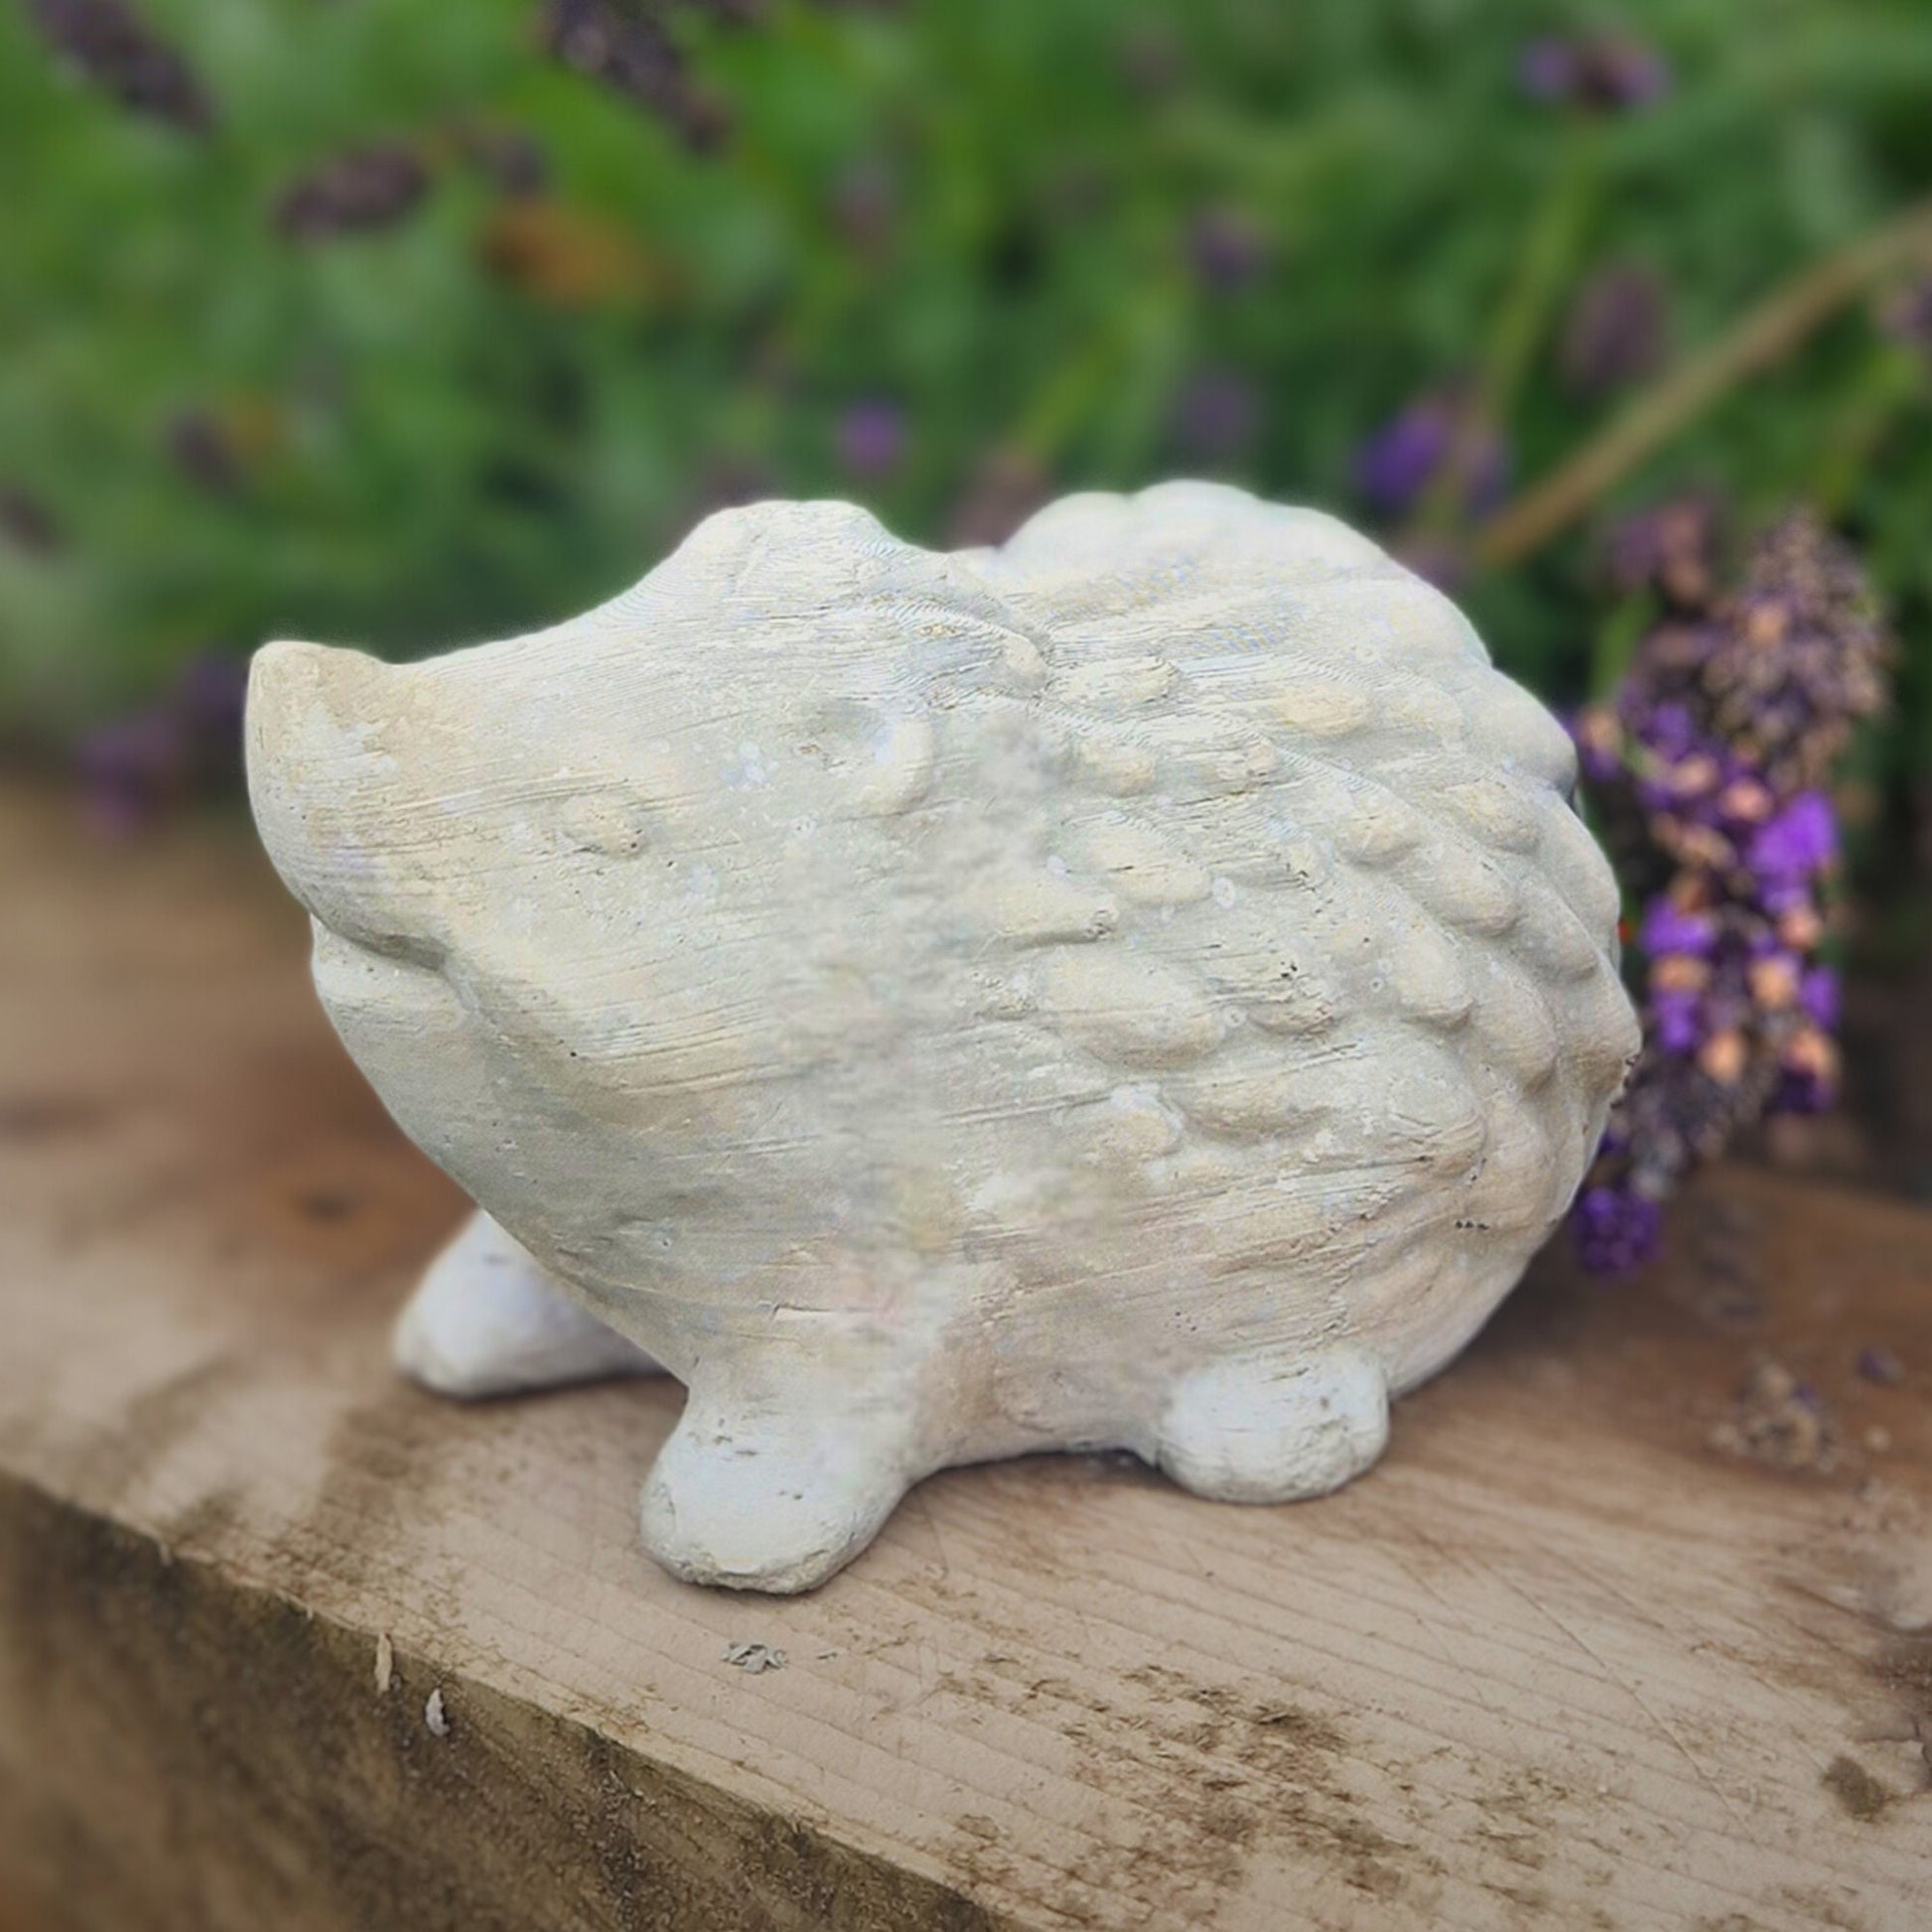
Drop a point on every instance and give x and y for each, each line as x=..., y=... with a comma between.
x=1710, y=767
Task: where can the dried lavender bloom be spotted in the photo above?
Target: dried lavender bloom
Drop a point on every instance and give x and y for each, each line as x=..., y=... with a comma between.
x=1226, y=249
x=1005, y=489
x=207, y=703
x=28, y=523
x=1400, y=460
x=1437, y=559
x=200, y=448
x=872, y=437
x=364, y=189
x=132, y=768
x=865, y=207
x=1880, y=1365
x=513, y=162
x=634, y=57
x=1908, y=317
x=1616, y=1229
x=1610, y=72
x=1672, y=549
x=1802, y=654
x=1614, y=332
x=1546, y=68
x=1215, y=414
x=1716, y=747
x=108, y=45
x=1151, y=58
x=1781, y=667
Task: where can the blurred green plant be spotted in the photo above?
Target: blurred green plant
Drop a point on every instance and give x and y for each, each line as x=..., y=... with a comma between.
x=402, y=324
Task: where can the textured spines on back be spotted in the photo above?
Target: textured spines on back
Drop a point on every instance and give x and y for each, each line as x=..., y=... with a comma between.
x=1230, y=830
x=1321, y=816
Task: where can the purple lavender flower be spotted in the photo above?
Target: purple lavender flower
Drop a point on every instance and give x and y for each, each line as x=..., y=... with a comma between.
x=1226, y=249
x=1621, y=71
x=1672, y=730
x=1393, y=468
x=1668, y=928
x=107, y=43
x=1672, y=549
x=1709, y=767
x=207, y=699
x=1676, y=1022
x=632, y=54
x=364, y=189
x=1616, y=1229
x=872, y=437
x=1399, y=463
x=130, y=769
x=1614, y=331
x=1808, y=1074
x=1819, y=998
x=1547, y=69
x=1608, y=71
x=1880, y=1365
x=1798, y=844
x=1801, y=655
x=1215, y=414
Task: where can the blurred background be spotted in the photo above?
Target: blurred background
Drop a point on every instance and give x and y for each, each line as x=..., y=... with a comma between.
x=402, y=326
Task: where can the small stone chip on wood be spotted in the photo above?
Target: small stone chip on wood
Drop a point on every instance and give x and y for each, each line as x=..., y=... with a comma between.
x=755, y=1657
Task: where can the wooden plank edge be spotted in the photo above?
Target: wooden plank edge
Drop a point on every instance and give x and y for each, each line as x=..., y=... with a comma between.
x=181, y=1751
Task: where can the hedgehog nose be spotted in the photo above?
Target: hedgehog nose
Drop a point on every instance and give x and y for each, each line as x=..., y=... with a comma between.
x=324, y=786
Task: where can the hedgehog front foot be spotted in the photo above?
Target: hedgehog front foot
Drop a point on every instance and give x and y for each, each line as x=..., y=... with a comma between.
x=756, y=1498
x=488, y=1320
x=1269, y=1430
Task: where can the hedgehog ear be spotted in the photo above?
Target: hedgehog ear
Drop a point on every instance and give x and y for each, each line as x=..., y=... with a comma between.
x=345, y=680
x=322, y=788
x=310, y=712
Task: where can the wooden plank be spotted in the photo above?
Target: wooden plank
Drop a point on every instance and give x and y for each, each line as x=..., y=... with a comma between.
x=1557, y=1661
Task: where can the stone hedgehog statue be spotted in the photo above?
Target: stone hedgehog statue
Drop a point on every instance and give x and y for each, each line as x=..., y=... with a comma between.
x=1142, y=986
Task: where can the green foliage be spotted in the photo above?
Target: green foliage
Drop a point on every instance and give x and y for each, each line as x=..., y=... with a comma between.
x=493, y=412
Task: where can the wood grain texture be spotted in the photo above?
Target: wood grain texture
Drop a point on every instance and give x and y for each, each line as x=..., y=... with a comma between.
x=1554, y=1662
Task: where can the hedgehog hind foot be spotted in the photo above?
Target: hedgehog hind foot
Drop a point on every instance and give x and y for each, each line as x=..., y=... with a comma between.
x=1270, y=1430
x=488, y=1320
x=775, y=1499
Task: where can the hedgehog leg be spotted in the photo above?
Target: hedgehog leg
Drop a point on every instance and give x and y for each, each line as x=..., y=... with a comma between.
x=488, y=1320
x=1270, y=1429
x=774, y=1495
